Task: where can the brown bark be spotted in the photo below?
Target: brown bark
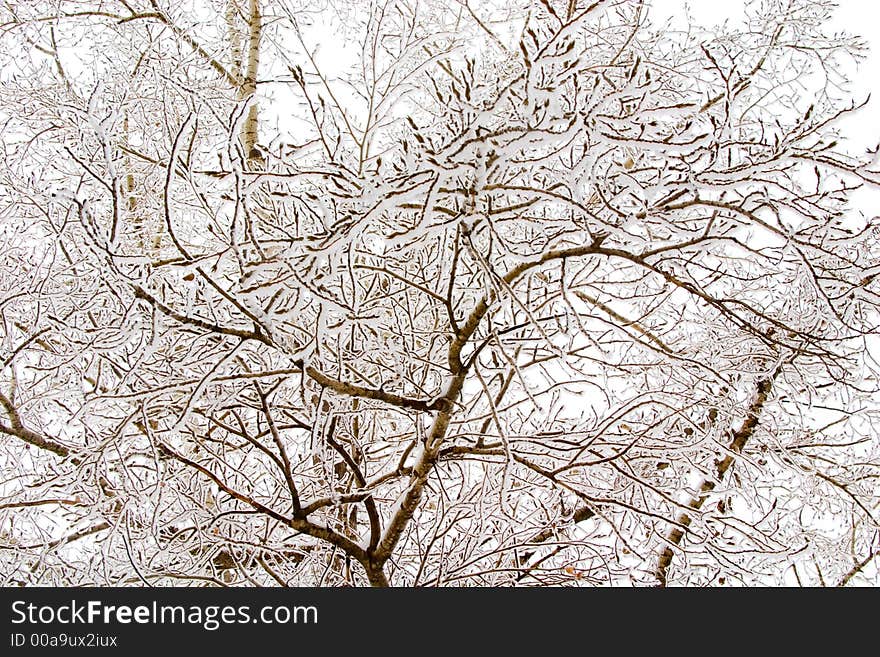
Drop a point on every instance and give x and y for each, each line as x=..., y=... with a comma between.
x=740, y=437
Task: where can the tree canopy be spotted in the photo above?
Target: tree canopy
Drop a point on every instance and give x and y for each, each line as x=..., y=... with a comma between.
x=541, y=292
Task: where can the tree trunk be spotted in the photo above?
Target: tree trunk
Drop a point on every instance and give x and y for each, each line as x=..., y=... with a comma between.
x=249, y=131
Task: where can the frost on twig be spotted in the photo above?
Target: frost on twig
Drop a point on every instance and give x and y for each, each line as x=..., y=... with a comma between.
x=522, y=293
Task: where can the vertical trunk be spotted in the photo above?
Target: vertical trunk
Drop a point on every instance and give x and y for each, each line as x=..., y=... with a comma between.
x=249, y=84
x=135, y=222
x=234, y=37
x=376, y=576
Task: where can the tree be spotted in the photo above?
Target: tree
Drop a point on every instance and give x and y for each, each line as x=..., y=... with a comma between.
x=522, y=293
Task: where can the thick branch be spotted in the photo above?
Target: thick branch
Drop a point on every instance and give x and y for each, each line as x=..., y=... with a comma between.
x=740, y=437
x=140, y=293
x=349, y=389
x=18, y=430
